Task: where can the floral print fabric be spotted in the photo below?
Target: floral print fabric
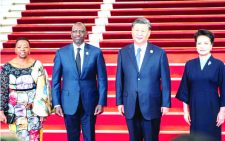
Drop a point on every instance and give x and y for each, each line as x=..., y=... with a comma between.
x=26, y=93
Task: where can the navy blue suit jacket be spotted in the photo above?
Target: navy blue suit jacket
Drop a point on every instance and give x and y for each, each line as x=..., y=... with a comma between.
x=151, y=84
x=91, y=85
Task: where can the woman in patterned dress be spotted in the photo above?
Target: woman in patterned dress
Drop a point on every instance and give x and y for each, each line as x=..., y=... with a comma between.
x=25, y=92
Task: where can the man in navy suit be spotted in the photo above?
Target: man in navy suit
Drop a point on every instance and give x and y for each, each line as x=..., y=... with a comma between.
x=143, y=84
x=82, y=93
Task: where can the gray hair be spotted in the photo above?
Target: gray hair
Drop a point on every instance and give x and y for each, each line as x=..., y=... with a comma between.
x=142, y=21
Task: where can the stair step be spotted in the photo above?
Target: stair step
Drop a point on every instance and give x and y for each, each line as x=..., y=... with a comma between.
x=175, y=55
x=111, y=100
x=167, y=26
x=116, y=43
x=167, y=11
x=40, y=35
x=118, y=136
x=170, y=18
x=13, y=14
x=56, y=19
x=6, y=29
x=118, y=124
x=19, y=7
x=126, y=12
x=184, y=34
x=112, y=35
x=123, y=19
x=3, y=38
x=59, y=27
x=174, y=85
x=64, y=5
x=34, y=1
x=23, y=2
x=111, y=85
x=108, y=43
x=121, y=135
x=47, y=27
x=130, y=4
x=175, y=71
x=61, y=12
x=117, y=129
x=10, y=21
x=172, y=4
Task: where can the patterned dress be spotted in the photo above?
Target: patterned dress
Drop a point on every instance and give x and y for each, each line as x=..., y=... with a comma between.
x=26, y=93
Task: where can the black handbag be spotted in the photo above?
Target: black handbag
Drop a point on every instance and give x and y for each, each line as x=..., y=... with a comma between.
x=10, y=117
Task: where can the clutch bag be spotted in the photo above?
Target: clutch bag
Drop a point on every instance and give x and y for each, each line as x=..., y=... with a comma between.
x=10, y=117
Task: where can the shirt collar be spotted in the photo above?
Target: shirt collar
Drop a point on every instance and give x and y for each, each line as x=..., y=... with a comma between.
x=143, y=47
x=205, y=58
x=81, y=46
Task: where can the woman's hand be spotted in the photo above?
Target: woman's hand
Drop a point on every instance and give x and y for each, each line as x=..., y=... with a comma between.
x=220, y=117
x=43, y=119
x=3, y=117
x=187, y=118
x=186, y=114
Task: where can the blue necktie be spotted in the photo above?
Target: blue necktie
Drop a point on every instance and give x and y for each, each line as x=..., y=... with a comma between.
x=138, y=58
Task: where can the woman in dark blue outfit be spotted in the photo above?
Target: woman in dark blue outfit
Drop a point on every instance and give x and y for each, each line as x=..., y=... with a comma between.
x=204, y=106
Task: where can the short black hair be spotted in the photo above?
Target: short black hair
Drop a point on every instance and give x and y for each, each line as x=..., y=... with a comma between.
x=22, y=38
x=204, y=32
x=142, y=21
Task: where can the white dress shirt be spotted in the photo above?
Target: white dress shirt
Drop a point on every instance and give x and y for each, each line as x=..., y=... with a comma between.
x=142, y=53
x=81, y=53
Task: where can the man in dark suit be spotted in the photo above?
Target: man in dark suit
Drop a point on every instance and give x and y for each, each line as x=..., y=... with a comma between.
x=143, y=84
x=83, y=91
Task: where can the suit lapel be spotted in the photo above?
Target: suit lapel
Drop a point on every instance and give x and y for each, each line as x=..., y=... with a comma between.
x=86, y=58
x=132, y=56
x=72, y=58
x=148, y=54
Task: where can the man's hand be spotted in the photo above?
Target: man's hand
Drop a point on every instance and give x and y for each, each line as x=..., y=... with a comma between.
x=2, y=117
x=58, y=111
x=164, y=110
x=98, y=109
x=121, y=109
